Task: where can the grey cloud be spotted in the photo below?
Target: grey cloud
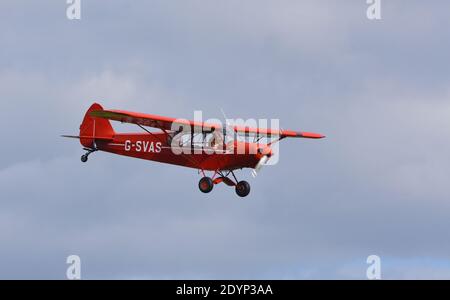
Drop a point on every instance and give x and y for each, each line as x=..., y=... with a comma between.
x=376, y=185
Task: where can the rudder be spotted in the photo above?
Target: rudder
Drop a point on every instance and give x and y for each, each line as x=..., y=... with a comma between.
x=94, y=128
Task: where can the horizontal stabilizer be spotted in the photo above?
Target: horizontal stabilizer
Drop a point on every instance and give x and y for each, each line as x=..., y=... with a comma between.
x=71, y=136
x=88, y=137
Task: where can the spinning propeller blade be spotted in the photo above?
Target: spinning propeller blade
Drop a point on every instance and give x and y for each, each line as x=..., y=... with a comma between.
x=260, y=164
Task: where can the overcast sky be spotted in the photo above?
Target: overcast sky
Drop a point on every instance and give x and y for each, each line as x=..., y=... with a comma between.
x=378, y=184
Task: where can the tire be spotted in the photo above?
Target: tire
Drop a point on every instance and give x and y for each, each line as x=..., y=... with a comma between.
x=206, y=184
x=84, y=158
x=242, y=188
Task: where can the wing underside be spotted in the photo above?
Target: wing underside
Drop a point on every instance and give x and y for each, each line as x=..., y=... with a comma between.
x=172, y=124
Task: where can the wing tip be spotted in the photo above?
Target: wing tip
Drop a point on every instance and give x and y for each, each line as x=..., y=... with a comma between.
x=310, y=135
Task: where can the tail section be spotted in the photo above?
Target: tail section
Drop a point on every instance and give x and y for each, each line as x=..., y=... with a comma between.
x=94, y=128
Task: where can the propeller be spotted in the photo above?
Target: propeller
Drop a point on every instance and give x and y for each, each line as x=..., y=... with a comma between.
x=259, y=165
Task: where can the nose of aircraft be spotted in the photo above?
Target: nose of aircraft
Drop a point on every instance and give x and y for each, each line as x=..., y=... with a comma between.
x=264, y=151
x=263, y=155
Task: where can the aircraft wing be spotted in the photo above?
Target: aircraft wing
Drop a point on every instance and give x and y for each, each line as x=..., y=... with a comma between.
x=165, y=123
x=154, y=121
x=280, y=133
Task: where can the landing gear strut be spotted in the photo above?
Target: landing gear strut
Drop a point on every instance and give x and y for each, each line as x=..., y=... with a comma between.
x=84, y=157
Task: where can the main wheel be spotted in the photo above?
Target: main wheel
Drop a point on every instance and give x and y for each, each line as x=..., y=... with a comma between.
x=84, y=158
x=206, y=184
x=242, y=188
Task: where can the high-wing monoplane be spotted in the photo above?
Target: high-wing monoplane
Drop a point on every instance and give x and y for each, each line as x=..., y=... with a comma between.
x=204, y=146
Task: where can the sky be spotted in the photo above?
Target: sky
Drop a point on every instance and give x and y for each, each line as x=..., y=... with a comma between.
x=377, y=185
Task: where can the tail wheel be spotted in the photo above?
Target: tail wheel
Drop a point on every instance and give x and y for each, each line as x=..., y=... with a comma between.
x=84, y=158
x=242, y=188
x=206, y=184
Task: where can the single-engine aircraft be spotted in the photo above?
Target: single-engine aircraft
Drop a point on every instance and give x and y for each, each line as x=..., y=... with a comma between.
x=200, y=145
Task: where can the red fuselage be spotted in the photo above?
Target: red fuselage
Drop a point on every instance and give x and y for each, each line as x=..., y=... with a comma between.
x=156, y=147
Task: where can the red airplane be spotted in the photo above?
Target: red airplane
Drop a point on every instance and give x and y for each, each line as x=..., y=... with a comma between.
x=200, y=145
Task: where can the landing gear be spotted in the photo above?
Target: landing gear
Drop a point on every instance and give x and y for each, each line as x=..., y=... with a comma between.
x=242, y=188
x=84, y=157
x=206, y=184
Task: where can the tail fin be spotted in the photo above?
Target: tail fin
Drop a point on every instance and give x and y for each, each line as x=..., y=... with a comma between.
x=94, y=128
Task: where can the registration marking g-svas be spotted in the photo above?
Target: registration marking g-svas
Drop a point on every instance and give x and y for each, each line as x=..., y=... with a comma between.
x=143, y=146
